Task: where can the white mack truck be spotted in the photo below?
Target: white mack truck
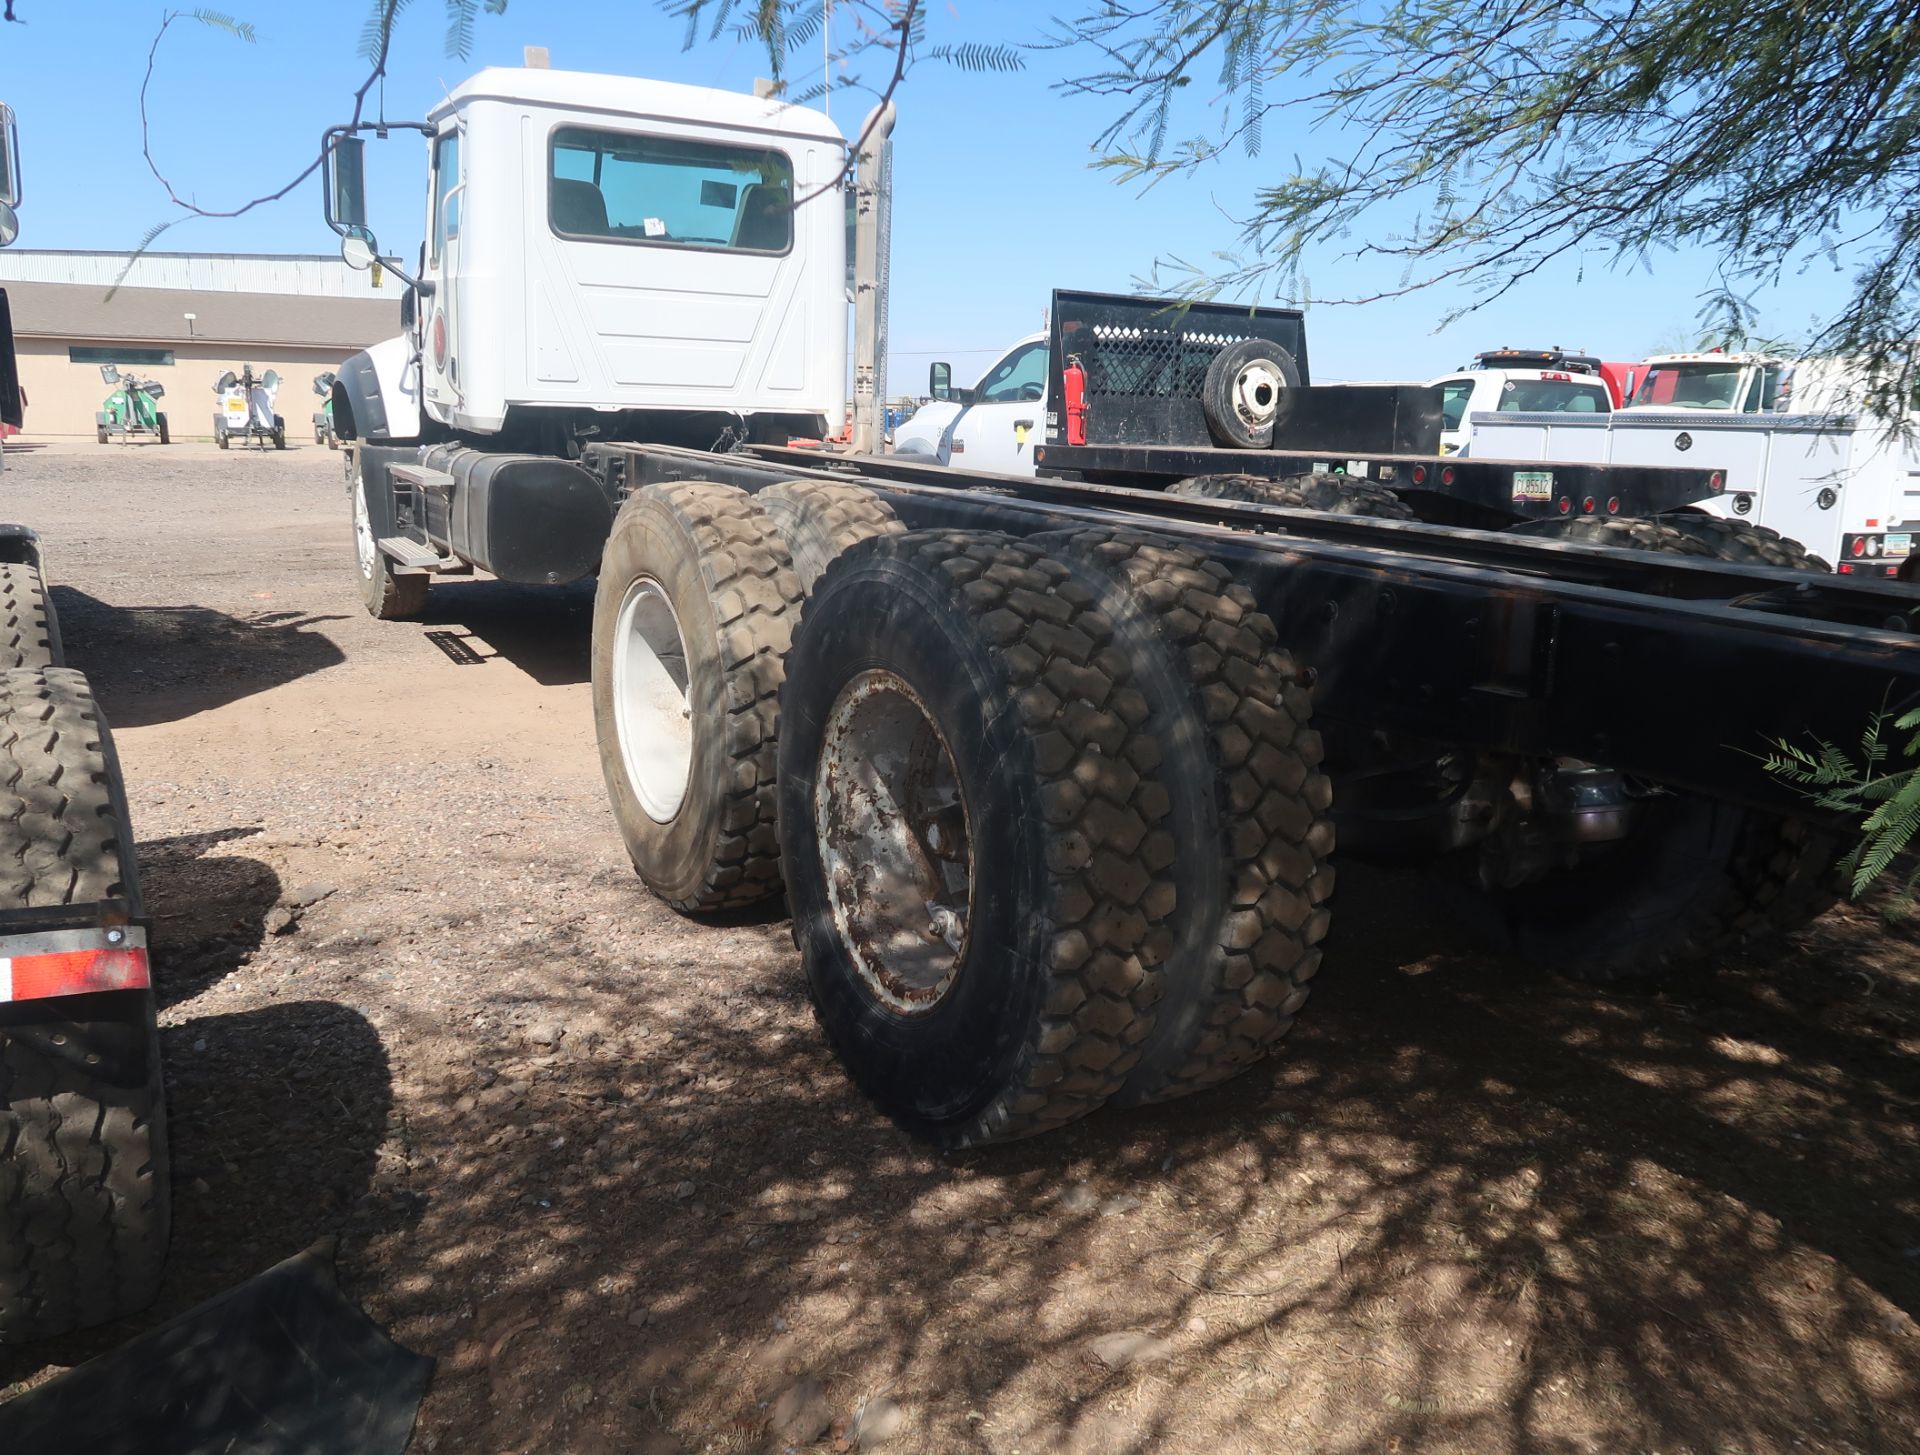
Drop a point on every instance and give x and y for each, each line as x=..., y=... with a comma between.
x=1049, y=770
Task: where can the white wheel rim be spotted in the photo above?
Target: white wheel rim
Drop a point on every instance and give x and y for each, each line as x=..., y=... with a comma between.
x=363, y=547
x=896, y=843
x=1256, y=393
x=652, y=716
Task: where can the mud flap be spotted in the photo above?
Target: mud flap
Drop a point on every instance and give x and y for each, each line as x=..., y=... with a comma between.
x=282, y=1365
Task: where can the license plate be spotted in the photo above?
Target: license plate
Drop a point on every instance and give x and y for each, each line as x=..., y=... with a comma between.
x=1898, y=545
x=1532, y=485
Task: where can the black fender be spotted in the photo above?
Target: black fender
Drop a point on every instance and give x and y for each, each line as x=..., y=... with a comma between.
x=20, y=546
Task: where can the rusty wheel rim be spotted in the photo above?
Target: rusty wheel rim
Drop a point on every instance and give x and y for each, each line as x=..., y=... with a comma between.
x=896, y=843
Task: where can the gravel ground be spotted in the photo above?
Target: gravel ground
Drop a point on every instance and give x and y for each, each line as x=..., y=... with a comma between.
x=595, y=1159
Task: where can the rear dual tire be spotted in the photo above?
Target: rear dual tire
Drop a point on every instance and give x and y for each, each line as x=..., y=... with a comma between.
x=1323, y=491
x=1041, y=996
x=1146, y=820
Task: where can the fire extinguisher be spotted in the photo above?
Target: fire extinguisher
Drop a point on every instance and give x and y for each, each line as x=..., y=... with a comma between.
x=1073, y=381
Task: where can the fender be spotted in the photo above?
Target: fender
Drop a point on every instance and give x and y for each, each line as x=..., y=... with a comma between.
x=20, y=546
x=376, y=394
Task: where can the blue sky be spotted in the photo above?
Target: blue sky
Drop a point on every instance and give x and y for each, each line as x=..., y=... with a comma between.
x=995, y=203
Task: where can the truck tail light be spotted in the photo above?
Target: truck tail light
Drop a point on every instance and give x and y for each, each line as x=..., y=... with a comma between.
x=1588, y=504
x=1613, y=505
x=73, y=962
x=1074, y=386
x=1717, y=480
x=1419, y=474
x=1859, y=545
x=1447, y=474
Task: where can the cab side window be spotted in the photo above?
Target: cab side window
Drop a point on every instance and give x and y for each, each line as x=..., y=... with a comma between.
x=446, y=176
x=1018, y=378
x=1454, y=398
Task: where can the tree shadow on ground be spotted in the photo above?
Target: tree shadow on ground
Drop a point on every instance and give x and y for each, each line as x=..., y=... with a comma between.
x=1468, y=1208
x=157, y=664
x=545, y=631
x=208, y=911
x=276, y=1120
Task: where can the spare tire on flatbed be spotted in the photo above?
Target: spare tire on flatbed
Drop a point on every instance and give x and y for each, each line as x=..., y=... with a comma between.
x=84, y=1211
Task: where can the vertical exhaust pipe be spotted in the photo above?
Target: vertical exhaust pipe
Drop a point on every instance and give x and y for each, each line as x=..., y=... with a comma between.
x=872, y=242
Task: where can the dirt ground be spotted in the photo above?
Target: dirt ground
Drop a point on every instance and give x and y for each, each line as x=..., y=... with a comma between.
x=595, y=1159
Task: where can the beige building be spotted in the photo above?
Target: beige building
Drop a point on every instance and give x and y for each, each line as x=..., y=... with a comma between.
x=183, y=319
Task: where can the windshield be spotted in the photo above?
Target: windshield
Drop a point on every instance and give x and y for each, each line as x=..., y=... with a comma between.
x=1558, y=396
x=1691, y=386
x=616, y=186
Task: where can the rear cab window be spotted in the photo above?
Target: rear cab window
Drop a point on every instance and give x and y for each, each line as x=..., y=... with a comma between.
x=1554, y=396
x=613, y=186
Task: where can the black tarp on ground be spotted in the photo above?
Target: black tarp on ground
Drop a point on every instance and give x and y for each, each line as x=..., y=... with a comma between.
x=282, y=1365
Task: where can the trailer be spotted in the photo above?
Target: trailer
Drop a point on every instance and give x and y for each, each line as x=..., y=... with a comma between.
x=1051, y=770
x=84, y=1190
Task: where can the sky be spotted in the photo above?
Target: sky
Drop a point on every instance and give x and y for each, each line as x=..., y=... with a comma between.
x=995, y=202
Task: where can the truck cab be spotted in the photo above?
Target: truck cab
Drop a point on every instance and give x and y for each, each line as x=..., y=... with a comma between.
x=1506, y=380
x=995, y=425
x=616, y=258
x=1716, y=381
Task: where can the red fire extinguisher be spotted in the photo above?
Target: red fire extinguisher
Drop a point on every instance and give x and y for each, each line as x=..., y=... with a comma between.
x=1073, y=381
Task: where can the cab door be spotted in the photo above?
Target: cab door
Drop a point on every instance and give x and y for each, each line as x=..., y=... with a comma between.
x=999, y=430
x=437, y=314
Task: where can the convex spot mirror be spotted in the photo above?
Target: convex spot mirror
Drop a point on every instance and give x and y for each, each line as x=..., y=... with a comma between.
x=357, y=250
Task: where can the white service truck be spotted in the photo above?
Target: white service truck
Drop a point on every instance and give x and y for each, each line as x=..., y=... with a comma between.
x=1048, y=769
x=1845, y=487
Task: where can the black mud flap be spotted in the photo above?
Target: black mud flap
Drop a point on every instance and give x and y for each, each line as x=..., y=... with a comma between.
x=282, y=1365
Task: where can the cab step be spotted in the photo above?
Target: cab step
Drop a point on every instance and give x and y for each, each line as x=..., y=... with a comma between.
x=408, y=552
x=422, y=478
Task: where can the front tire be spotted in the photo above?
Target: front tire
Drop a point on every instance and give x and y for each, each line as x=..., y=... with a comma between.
x=692, y=618
x=84, y=1199
x=389, y=595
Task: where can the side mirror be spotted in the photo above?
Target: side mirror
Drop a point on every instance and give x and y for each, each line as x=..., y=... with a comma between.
x=357, y=250
x=347, y=197
x=940, y=381
x=9, y=160
x=9, y=225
